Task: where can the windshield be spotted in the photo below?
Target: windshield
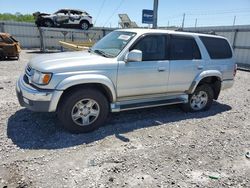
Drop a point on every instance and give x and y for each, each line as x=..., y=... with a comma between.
x=112, y=44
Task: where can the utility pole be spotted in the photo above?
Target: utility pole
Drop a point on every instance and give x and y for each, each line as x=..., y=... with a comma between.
x=183, y=21
x=234, y=20
x=195, y=23
x=156, y=2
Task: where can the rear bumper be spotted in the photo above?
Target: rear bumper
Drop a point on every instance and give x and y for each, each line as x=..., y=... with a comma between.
x=227, y=84
x=37, y=100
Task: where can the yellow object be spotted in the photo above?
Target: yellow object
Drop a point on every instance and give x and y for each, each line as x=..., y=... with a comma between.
x=78, y=46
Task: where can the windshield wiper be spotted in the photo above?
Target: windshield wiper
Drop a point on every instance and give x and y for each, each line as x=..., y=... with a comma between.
x=102, y=53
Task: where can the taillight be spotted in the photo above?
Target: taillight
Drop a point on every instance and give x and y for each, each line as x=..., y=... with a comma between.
x=235, y=69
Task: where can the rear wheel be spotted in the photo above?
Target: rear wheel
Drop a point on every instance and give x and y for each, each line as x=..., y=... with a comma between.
x=84, y=25
x=200, y=100
x=83, y=110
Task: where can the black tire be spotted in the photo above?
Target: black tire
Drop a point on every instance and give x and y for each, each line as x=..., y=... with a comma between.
x=84, y=25
x=187, y=107
x=2, y=56
x=48, y=23
x=67, y=106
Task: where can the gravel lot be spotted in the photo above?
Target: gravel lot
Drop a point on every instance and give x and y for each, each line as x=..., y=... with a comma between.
x=158, y=147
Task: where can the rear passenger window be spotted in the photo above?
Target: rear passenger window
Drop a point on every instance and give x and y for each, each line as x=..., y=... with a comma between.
x=153, y=47
x=217, y=48
x=184, y=48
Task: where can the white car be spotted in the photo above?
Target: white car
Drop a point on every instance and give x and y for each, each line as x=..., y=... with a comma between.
x=66, y=18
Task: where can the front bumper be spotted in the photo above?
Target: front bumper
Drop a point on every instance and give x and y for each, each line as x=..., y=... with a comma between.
x=38, y=100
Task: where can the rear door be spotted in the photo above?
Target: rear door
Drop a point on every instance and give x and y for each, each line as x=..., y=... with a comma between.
x=185, y=62
x=150, y=76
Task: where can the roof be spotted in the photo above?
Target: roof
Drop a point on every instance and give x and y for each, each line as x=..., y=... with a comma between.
x=78, y=10
x=145, y=31
x=5, y=34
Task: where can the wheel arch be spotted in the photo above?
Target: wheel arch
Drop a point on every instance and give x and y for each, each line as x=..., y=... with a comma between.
x=84, y=20
x=99, y=82
x=211, y=77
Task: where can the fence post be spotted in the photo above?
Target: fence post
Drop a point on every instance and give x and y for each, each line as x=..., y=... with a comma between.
x=235, y=38
x=2, y=27
x=42, y=47
x=103, y=32
x=72, y=36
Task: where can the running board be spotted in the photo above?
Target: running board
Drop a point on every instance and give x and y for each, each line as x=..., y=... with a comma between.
x=117, y=107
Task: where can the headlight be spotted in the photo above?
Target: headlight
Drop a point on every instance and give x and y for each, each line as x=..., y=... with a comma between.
x=41, y=78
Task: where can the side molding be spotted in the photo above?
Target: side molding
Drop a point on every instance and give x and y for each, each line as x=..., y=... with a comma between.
x=87, y=79
x=204, y=74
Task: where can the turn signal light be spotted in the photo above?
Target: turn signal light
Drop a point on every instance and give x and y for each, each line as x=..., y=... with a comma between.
x=46, y=78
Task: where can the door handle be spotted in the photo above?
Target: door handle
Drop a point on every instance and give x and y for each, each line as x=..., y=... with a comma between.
x=161, y=69
x=200, y=67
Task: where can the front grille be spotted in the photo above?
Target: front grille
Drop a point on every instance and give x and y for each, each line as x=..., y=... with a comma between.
x=29, y=70
x=26, y=79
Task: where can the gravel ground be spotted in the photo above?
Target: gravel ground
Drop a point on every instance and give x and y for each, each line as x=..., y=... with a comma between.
x=158, y=147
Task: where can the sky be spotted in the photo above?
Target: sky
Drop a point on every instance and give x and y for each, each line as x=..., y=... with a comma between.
x=170, y=13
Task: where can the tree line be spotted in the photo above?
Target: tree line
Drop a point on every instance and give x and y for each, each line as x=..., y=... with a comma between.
x=18, y=17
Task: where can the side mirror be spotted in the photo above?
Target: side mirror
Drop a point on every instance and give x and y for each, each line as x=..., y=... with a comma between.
x=134, y=55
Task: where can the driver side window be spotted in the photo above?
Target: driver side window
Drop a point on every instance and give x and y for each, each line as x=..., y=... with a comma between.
x=153, y=47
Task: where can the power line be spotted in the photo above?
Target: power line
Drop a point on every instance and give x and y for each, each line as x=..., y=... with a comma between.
x=119, y=5
x=100, y=10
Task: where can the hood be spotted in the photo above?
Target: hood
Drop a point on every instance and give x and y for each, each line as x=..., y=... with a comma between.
x=70, y=62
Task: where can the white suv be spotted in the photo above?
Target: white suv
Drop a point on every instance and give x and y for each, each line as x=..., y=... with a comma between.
x=65, y=18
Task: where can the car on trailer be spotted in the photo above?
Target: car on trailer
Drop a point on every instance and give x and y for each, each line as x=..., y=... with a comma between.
x=9, y=46
x=65, y=18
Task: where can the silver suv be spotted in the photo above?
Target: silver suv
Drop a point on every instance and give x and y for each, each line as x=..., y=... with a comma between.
x=128, y=69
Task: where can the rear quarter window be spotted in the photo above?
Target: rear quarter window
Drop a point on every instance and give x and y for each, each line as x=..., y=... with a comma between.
x=217, y=48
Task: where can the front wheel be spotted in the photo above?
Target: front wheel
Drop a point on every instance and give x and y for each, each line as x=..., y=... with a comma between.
x=83, y=110
x=48, y=23
x=200, y=100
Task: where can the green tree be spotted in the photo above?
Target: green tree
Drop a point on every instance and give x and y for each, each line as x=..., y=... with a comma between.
x=17, y=17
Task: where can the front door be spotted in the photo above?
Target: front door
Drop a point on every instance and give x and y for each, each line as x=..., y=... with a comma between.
x=150, y=76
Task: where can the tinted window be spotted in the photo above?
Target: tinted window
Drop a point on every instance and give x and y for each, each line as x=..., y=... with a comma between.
x=8, y=40
x=184, y=48
x=217, y=48
x=62, y=12
x=153, y=47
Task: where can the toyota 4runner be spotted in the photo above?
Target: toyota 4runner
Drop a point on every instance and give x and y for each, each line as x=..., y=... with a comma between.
x=128, y=69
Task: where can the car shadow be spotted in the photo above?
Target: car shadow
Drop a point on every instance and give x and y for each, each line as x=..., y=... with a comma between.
x=30, y=130
x=9, y=59
x=43, y=52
